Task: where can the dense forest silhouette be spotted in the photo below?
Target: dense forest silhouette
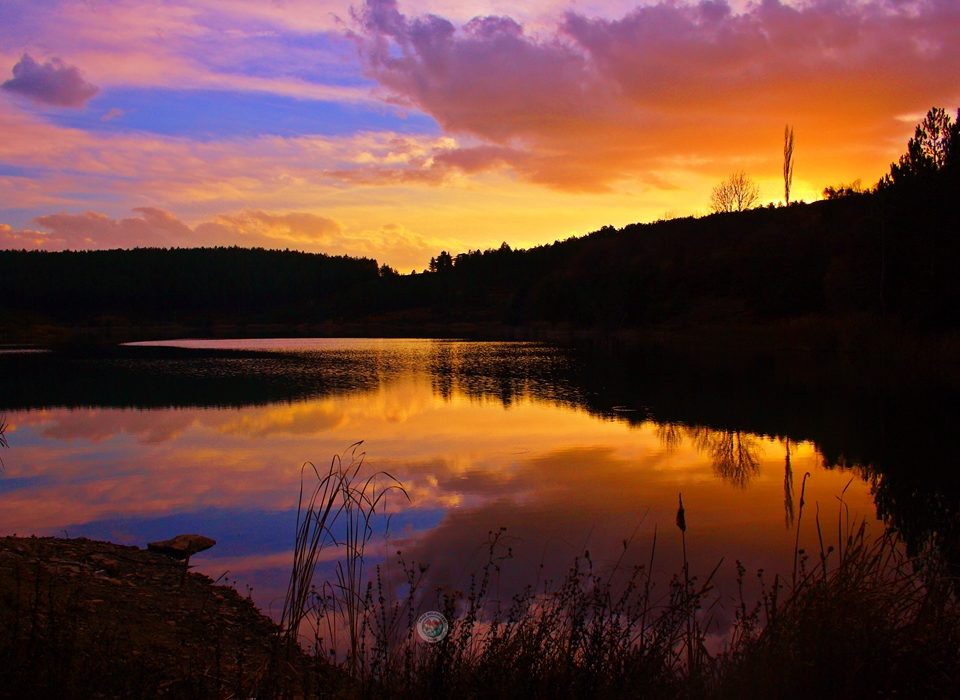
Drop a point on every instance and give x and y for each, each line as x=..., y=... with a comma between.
x=890, y=253
x=180, y=285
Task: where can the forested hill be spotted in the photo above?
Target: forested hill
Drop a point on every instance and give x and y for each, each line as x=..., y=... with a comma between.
x=197, y=285
x=890, y=253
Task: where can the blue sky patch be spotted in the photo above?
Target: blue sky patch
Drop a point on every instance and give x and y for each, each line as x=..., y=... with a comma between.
x=215, y=114
x=238, y=532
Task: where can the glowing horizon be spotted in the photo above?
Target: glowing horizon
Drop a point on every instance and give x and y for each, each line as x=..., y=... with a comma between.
x=393, y=130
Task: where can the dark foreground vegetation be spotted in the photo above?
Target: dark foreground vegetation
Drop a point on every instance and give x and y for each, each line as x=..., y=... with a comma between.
x=86, y=619
x=880, y=258
x=856, y=617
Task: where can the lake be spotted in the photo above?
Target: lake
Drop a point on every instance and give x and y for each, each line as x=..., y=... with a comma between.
x=568, y=449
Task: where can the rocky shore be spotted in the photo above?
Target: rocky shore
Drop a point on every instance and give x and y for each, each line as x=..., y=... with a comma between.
x=80, y=618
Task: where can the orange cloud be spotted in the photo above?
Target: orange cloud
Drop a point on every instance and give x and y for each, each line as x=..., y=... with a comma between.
x=152, y=227
x=599, y=100
x=155, y=227
x=22, y=238
x=296, y=229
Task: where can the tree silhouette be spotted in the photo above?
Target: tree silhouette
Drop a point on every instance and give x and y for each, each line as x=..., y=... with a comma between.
x=787, y=162
x=442, y=262
x=736, y=193
x=929, y=149
x=843, y=190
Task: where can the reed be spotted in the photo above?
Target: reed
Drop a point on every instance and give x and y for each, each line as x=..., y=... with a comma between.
x=860, y=616
x=589, y=632
x=340, y=497
x=864, y=620
x=3, y=437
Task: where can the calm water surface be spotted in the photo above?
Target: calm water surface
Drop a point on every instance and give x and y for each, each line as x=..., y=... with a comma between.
x=144, y=445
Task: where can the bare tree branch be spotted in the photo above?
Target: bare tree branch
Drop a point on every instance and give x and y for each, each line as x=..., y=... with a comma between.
x=736, y=193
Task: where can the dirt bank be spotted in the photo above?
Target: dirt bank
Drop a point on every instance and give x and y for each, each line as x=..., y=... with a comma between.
x=80, y=618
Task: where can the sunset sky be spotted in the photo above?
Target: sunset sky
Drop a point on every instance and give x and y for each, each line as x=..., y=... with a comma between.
x=396, y=129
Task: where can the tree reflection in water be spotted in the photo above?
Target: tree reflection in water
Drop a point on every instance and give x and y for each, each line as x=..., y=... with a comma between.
x=735, y=455
x=670, y=435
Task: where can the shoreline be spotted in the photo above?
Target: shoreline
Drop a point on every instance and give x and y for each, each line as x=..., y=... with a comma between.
x=80, y=615
x=860, y=350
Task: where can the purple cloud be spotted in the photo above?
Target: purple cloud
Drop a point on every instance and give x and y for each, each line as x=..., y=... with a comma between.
x=53, y=83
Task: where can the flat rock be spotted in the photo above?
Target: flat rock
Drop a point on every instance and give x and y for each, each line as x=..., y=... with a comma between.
x=182, y=546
